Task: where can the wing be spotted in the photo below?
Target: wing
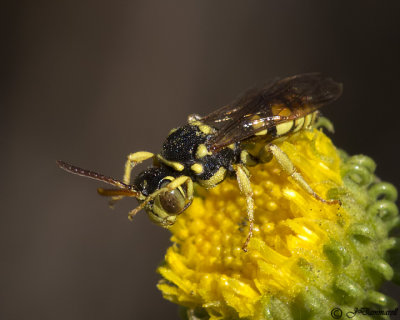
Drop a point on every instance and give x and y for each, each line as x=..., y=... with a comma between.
x=262, y=109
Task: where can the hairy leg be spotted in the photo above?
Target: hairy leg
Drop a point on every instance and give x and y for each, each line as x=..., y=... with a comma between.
x=245, y=189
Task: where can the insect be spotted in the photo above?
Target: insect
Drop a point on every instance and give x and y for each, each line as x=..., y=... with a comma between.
x=222, y=144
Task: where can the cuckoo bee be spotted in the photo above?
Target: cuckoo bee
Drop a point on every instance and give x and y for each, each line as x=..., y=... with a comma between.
x=222, y=144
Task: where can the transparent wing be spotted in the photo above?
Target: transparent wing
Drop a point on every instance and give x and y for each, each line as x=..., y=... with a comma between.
x=259, y=109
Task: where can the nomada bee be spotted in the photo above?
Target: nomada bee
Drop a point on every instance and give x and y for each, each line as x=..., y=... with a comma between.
x=224, y=143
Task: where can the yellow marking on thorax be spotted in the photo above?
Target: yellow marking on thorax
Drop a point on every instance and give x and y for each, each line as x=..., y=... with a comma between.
x=203, y=127
x=206, y=129
x=173, y=164
x=172, y=131
x=196, y=123
x=214, y=180
x=202, y=151
x=197, y=168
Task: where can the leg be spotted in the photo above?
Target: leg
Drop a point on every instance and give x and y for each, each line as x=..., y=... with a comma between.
x=169, y=187
x=287, y=166
x=245, y=189
x=131, y=162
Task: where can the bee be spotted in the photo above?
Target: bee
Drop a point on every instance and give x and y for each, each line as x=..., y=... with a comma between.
x=208, y=149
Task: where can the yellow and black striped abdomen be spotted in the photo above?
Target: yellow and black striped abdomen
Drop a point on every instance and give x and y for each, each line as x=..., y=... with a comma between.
x=283, y=128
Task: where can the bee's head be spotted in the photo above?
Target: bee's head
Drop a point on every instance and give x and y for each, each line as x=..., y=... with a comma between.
x=160, y=190
x=166, y=194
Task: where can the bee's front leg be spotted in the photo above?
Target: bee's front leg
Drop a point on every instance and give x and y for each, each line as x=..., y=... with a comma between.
x=132, y=160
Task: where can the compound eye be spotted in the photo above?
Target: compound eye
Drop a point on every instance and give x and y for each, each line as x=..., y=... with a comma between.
x=172, y=202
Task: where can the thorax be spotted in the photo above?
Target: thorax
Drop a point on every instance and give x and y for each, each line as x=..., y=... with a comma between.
x=185, y=151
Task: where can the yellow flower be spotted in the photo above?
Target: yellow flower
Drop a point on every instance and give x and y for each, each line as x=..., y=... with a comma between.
x=305, y=256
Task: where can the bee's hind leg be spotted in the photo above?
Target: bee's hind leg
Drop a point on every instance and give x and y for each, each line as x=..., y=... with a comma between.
x=288, y=166
x=247, y=191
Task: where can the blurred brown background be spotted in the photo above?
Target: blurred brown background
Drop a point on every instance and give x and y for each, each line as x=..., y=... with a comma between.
x=91, y=81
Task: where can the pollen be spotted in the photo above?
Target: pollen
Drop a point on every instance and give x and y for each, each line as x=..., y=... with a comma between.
x=305, y=257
